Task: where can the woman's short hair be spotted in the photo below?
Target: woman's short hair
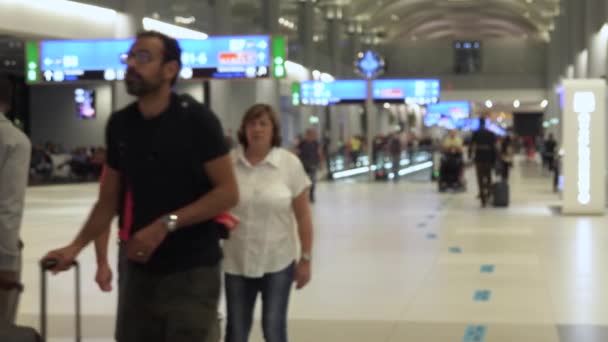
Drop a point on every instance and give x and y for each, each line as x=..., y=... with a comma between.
x=255, y=112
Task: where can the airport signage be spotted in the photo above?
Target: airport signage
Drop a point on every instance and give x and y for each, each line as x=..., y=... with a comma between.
x=408, y=91
x=248, y=57
x=319, y=93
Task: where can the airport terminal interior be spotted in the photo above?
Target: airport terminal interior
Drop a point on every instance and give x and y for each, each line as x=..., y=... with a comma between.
x=398, y=96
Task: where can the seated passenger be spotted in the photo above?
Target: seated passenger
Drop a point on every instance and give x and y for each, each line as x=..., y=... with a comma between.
x=453, y=143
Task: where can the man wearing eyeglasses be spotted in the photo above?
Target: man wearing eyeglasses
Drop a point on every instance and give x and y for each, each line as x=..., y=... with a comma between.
x=168, y=153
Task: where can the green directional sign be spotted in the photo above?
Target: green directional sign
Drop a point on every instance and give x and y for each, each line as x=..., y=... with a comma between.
x=279, y=52
x=295, y=94
x=32, y=55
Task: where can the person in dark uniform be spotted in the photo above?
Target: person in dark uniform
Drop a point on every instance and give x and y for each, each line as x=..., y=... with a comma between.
x=483, y=152
x=311, y=155
x=549, y=152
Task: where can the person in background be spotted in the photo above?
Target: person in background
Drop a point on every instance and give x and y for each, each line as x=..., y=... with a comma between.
x=261, y=255
x=355, y=148
x=549, y=151
x=15, y=155
x=483, y=152
x=395, y=150
x=172, y=275
x=506, y=156
x=310, y=153
x=453, y=142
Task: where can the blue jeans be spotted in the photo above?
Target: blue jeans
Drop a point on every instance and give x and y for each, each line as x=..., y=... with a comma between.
x=241, y=294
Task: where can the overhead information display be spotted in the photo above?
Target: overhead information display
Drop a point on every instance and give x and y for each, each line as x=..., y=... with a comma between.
x=456, y=110
x=215, y=57
x=318, y=93
x=409, y=91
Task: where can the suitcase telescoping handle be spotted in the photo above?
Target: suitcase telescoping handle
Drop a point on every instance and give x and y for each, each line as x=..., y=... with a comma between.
x=47, y=265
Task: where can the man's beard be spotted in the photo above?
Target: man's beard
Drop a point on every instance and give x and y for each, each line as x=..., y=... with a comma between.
x=137, y=86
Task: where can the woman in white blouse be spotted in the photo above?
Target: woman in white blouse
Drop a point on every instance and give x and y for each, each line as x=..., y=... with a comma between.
x=261, y=256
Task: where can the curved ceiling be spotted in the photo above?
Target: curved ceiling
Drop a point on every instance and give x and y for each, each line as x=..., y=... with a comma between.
x=432, y=19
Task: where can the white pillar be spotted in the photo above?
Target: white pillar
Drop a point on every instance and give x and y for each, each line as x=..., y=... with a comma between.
x=584, y=142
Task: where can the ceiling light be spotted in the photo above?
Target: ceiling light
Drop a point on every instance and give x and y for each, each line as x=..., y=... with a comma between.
x=544, y=104
x=185, y=20
x=489, y=104
x=529, y=1
x=172, y=30
x=395, y=17
x=516, y=103
x=387, y=105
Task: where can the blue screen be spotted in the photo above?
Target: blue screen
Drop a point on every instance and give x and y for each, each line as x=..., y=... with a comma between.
x=448, y=114
x=408, y=91
x=456, y=110
x=246, y=56
x=317, y=93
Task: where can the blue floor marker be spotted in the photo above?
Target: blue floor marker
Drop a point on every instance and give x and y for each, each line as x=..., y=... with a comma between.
x=487, y=268
x=431, y=236
x=455, y=250
x=421, y=225
x=482, y=295
x=475, y=333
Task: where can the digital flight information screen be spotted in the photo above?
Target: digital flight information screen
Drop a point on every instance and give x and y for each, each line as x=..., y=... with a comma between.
x=409, y=91
x=318, y=93
x=216, y=57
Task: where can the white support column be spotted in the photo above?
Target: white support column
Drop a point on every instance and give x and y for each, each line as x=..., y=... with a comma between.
x=584, y=142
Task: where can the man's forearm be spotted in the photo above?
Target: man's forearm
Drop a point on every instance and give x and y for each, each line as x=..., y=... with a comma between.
x=101, y=246
x=98, y=222
x=207, y=207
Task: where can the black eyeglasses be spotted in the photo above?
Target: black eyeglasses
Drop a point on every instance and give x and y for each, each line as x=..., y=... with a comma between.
x=140, y=57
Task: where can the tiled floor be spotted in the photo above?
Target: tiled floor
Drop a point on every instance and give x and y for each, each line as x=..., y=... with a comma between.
x=393, y=263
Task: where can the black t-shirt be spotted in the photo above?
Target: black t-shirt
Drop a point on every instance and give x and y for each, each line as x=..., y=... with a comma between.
x=161, y=161
x=484, y=144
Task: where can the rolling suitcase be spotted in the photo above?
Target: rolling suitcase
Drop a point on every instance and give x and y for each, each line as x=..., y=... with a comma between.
x=45, y=266
x=501, y=194
x=11, y=332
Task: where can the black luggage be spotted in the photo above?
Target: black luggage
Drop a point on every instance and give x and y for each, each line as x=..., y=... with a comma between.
x=501, y=194
x=45, y=266
x=11, y=332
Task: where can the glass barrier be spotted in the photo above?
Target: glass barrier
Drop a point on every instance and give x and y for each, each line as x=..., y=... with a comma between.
x=384, y=166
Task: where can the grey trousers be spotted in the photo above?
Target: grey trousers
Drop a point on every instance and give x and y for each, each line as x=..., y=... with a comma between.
x=167, y=308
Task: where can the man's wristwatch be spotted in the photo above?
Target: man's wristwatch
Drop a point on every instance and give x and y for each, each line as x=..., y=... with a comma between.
x=306, y=257
x=170, y=222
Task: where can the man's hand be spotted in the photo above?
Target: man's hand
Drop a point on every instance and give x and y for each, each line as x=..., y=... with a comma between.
x=64, y=257
x=145, y=242
x=303, y=274
x=103, y=278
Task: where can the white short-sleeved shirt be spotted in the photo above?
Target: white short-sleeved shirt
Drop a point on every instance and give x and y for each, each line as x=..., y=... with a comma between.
x=266, y=239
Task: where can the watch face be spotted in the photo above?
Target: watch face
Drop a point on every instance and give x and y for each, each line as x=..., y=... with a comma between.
x=171, y=222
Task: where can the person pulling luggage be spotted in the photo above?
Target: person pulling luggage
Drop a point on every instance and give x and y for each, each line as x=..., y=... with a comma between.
x=483, y=152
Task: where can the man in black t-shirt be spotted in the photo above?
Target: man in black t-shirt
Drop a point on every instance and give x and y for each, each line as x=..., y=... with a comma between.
x=170, y=153
x=483, y=149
